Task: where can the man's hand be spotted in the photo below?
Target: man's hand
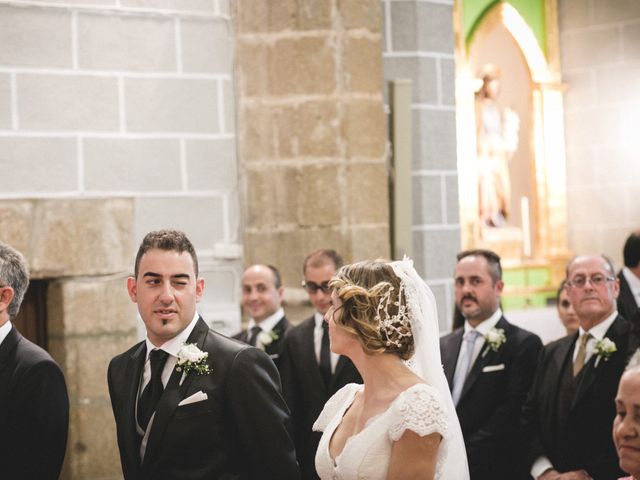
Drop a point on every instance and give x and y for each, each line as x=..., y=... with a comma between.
x=574, y=475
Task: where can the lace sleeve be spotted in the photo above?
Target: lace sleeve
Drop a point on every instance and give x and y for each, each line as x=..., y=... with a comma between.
x=333, y=405
x=420, y=410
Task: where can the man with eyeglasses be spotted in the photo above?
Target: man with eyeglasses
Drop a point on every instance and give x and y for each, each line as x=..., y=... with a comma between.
x=570, y=408
x=262, y=295
x=310, y=372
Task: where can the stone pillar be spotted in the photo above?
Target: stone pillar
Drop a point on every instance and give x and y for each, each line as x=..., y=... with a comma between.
x=311, y=130
x=84, y=248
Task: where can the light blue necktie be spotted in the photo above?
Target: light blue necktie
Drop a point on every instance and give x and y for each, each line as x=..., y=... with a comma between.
x=463, y=366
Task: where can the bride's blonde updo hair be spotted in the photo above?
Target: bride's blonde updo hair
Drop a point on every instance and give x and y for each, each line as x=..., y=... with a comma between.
x=374, y=308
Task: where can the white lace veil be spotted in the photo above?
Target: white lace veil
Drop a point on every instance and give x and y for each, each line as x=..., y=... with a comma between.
x=427, y=364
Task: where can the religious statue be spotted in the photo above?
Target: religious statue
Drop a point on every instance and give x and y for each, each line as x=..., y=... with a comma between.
x=497, y=137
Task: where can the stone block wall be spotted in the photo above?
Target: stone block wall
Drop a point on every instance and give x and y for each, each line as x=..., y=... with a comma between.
x=116, y=117
x=419, y=45
x=600, y=55
x=312, y=133
x=127, y=98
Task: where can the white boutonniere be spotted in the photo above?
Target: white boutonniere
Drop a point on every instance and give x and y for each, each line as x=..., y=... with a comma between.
x=494, y=339
x=192, y=359
x=604, y=349
x=265, y=339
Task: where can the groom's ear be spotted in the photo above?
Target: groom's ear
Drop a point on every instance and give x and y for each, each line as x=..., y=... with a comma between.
x=132, y=289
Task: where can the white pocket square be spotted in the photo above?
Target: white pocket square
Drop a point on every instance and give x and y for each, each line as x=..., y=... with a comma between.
x=493, y=368
x=196, y=397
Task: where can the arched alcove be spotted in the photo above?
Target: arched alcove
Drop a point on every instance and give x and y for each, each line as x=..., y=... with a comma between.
x=522, y=59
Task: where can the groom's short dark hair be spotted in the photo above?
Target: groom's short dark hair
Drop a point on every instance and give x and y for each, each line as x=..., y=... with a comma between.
x=166, y=240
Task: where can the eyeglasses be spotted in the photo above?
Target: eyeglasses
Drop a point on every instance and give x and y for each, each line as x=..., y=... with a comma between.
x=596, y=280
x=313, y=287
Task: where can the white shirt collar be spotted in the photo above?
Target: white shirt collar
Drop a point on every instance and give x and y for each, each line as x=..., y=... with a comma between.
x=600, y=329
x=268, y=323
x=173, y=346
x=4, y=331
x=319, y=318
x=485, y=326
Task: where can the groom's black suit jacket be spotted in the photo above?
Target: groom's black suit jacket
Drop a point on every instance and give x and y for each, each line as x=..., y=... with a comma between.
x=242, y=431
x=305, y=391
x=581, y=438
x=492, y=397
x=34, y=411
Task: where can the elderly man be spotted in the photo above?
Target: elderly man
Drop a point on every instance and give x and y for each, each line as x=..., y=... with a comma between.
x=262, y=294
x=34, y=406
x=490, y=365
x=569, y=410
x=311, y=373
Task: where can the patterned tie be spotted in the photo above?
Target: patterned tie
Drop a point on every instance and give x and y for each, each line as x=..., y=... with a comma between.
x=578, y=363
x=325, y=355
x=253, y=338
x=153, y=390
x=465, y=363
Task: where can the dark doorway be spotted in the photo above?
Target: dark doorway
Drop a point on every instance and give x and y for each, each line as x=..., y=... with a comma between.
x=31, y=320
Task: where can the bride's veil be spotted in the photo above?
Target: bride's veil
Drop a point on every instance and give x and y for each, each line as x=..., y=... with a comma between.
x=427, y=364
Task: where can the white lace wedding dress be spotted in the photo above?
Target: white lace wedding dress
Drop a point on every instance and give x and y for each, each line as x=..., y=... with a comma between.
x=366, y=455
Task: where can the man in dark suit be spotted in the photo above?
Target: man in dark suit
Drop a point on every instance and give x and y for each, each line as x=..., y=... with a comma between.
x=262, y=294
x=570, y=408
x=189, y=402
x=311, y=373
x=629, y=278
x=489, y=364
x=34, y=406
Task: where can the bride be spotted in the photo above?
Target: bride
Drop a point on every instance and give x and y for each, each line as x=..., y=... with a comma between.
x=401, y=424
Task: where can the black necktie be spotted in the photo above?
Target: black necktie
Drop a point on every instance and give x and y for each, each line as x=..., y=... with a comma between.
x=325, y=355
x=253, y=338
x=152, y=392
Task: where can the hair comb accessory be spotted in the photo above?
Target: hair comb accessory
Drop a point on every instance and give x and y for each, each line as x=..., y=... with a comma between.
x=398, y=324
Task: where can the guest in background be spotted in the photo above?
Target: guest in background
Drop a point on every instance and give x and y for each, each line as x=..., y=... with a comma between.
x=626, y=424
x=34, y=405
x=568, y=413
x=311, y=373
x=629, y=277
x=490, y=364
x=566, y=312
x=262, y=294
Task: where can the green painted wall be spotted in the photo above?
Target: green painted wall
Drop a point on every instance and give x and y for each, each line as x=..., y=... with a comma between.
x=531, y=10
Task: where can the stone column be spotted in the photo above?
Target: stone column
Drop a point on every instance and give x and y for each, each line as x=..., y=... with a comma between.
x=311, y=130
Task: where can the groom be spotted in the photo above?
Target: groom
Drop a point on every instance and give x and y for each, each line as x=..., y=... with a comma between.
x=226, y=419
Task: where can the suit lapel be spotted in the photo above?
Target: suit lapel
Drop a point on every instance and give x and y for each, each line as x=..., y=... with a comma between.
x=171, y=396
x=486, y=357
x=591, y=372
x=450, y=354
x=7, y=346
x=561, y=359
x=132, y=380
